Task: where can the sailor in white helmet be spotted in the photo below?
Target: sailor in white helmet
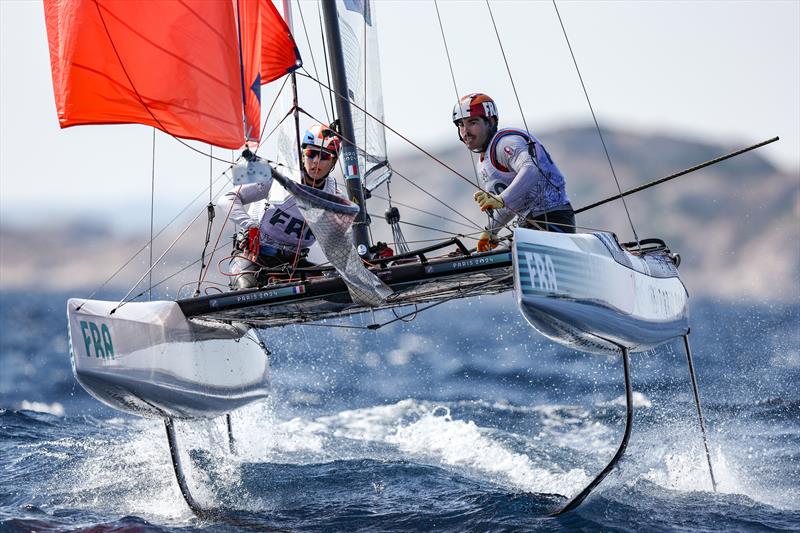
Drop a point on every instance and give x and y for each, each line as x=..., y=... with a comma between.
x=281, y=237
x=518, y=176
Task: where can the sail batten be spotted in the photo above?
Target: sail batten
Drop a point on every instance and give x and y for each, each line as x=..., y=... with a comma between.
x=193, y=69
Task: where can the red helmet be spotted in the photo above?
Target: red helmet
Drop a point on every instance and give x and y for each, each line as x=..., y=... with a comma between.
x=474, y=105
x=322, y=136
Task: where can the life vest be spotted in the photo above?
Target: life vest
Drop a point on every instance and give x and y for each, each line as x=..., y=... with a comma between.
x=283, y=224
x=547, y=193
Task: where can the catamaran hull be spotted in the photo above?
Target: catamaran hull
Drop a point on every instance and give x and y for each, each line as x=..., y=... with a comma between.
x=586, y=292
x=149, y=360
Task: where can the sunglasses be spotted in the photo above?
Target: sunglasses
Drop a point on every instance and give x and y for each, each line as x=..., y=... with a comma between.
x=312, y=153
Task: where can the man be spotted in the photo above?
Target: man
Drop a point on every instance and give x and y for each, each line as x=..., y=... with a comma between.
x=280, y=237
x=518, y=176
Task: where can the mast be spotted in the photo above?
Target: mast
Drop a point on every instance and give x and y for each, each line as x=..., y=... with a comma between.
x=350, y=168
x=287, y=16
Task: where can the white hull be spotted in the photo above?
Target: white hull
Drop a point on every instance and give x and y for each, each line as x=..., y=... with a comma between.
x=582, y=290
x=148, y=359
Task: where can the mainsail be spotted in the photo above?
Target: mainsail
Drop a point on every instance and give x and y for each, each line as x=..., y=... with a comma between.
x=171, y=64
x=358, y=28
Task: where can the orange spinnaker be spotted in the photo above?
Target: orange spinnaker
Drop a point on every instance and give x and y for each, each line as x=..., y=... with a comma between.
x=173, y=64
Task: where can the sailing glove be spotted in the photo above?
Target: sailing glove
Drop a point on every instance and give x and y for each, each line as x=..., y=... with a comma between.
x=248, y=241
x=487, y=241
x=488, y=201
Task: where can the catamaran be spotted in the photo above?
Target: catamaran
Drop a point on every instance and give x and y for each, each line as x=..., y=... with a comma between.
x=201, y=357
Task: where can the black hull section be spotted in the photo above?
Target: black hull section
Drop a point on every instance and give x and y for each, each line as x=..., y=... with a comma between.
x=319, y=298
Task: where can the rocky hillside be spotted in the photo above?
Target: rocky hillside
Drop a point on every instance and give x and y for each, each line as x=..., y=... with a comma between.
x=736, y=224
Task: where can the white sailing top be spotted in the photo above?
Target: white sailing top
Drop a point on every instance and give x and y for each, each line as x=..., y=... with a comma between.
x=282, y=223
x=528, y=187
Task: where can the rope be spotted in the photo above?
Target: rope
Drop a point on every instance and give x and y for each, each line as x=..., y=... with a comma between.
x=210, y=213
x=597, y=126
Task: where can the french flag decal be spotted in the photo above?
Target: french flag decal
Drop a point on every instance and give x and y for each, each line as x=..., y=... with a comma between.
x=300, y=289
x=351, y=170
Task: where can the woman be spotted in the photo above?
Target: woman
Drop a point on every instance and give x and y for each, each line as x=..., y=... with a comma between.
x=281, y=235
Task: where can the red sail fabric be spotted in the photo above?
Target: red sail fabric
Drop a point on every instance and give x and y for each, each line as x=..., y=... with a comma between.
x=173, y=64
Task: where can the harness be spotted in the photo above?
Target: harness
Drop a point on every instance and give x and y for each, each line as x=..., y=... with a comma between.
x=278, y=251
x=531, y=150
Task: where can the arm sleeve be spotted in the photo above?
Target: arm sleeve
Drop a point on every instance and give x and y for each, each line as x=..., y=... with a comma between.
x=235, y=200
x=512, y=153
x=501, y=218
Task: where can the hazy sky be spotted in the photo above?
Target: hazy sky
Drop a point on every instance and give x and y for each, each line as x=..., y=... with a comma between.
x=722, y=71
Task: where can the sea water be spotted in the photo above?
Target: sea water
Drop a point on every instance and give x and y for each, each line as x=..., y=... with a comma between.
x=463, y=419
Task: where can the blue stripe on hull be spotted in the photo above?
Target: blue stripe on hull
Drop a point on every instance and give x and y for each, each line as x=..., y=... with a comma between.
x=157, y=395
x=583, y=324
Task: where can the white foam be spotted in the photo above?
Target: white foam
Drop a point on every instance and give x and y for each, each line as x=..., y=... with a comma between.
x=437, y=436
x=54, y=408
x=638, y=400
x=408, y=429
x=130, y=475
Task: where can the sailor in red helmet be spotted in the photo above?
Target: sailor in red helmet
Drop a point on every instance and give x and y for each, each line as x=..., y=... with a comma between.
x=280, y=236
x=519, y=178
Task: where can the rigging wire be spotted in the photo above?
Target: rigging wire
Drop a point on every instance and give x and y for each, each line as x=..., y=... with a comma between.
x=529, y=140
x=436, y=229
x=385, y=125
x=508, y=69
x=313, y=61
x=263, y=139
x=455, y=87
x=162, y=230
x=411, y=182
x=597, y=126
x=174, y=242
x=210, y=213
x=152, y=213
x=406, y=139
x=149, y=270
x=391, y=200
x=179, y=271
x=325, y=53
